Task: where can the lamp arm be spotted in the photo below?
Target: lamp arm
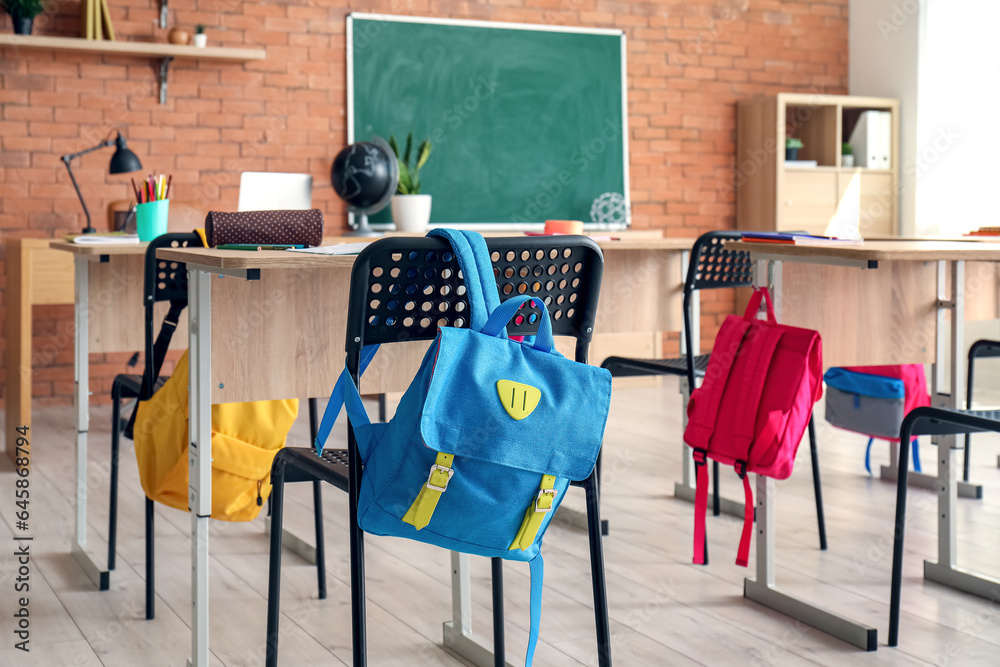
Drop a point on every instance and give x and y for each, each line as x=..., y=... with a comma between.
x=103, y=144
x=66, y=160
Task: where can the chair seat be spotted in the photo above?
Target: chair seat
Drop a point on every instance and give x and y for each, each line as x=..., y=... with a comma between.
x=625, y=367
x=303, y=465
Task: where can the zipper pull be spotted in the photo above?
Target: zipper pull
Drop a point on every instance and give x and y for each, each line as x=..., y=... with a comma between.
x=260, y=499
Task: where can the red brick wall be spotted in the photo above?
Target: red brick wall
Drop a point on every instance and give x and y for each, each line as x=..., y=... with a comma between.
x=689, y=61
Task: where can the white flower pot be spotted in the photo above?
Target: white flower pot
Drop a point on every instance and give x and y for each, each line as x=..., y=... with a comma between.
x=846, y=160
x=411, y=213
x=201, y=41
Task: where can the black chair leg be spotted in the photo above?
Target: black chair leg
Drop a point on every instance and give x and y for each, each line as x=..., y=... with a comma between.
x=359, y=641
x=150, y=571
x=817, y=486
x=499, y=657
x=113, y=509
x=897, y=546
x=318, y=507
x=597, y=572
x=605, y=526
x=968, y=406
x=274, y=561
x=716, y=509
x=382, y=412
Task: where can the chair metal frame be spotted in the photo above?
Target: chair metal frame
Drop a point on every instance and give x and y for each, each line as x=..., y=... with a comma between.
x=937, y=421
x=552, y=268
x=981, y=349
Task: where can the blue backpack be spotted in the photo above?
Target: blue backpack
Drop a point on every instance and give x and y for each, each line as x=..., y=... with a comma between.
x=487, y=437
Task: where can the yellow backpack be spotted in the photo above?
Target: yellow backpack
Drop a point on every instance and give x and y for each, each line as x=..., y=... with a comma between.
x=245, y=438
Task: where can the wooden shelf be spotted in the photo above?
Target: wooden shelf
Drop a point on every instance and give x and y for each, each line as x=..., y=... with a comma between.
x=161, y=51
x=151, y=49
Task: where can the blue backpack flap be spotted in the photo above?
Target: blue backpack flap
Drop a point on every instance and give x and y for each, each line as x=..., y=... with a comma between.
x=864, y=403
x=487, y=437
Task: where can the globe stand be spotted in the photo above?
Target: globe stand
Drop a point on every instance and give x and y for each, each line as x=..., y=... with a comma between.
x=363, y=229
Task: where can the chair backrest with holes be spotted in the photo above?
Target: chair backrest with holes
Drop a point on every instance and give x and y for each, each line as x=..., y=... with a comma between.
x=403, y=289
x=163, y=281
x=712, y=267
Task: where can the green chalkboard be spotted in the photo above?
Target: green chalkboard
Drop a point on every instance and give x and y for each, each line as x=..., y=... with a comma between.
x=527, y=125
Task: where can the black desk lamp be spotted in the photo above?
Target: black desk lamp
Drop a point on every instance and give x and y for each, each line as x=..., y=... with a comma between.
x=122, y=162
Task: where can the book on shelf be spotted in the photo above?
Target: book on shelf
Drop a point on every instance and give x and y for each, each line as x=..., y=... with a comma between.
x=794, y=238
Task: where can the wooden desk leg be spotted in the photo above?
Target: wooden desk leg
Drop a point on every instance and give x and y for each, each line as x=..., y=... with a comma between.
x=81, y=415
x=199, y=454
x=18, y=376
x=762, y=590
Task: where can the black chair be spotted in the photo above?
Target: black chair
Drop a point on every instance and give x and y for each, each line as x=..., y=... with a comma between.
x=982, y=349
x=926, y=421
x=712, y=267
x=392, y=300
x=167, y=281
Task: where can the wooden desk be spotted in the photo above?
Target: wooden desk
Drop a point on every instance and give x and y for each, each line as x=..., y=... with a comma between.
x=893, y=313
x=39, y=276
x=287, y=313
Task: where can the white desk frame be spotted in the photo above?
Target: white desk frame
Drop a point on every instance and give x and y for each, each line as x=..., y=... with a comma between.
x=458, y=635
x=945, y=571
x=81, y=416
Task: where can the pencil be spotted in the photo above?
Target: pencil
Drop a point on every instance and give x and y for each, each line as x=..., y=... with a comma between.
x=170, y=178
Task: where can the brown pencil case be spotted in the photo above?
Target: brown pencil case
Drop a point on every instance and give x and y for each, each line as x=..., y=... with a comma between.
x=273, y=227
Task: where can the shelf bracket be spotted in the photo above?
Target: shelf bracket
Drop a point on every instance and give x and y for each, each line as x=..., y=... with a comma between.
x=163, y=13
x=164, y=71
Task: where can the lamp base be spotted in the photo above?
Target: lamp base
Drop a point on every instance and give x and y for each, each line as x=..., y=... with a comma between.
x=364, y=229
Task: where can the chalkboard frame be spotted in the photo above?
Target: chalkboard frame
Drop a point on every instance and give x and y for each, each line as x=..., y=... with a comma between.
x=468, y=23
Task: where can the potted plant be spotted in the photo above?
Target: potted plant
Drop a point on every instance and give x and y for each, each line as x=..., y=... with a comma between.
x=200, y=38
x=411, y=211
x=792, y=146
x=846, y=155
x=23, y=13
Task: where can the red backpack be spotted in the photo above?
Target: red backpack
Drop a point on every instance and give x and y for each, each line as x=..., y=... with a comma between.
x=753, y=406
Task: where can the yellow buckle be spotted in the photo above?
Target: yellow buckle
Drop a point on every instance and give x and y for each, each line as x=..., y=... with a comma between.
x=551, y=493
x=439, y=468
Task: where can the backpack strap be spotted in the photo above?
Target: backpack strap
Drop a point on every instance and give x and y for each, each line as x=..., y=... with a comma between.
x=533, y=518
x=537, y=569
x=703, y=406
x=422, y=509
x=700, y=504
x=341, y=396
x=477, y=271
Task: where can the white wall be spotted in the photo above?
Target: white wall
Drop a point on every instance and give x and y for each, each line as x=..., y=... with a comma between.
x=958, y=138
x=883, y=62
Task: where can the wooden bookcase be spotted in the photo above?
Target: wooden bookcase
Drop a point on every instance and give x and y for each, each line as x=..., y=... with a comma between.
x=828, y=198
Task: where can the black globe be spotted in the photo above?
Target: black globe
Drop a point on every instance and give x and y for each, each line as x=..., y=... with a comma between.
x=362, y=175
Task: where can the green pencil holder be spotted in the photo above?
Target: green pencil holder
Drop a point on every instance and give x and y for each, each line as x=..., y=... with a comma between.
x=151, y=219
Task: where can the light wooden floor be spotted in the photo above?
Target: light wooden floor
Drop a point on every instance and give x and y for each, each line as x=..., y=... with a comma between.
x=664, y=610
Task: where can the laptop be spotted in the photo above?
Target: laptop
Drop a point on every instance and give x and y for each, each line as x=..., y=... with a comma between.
x=272, y=191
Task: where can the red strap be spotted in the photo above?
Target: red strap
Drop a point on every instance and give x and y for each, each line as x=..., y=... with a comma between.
x=744, y=551
x=761, y=344
x=703, y=408
x=700, y=507
x=754, y=305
